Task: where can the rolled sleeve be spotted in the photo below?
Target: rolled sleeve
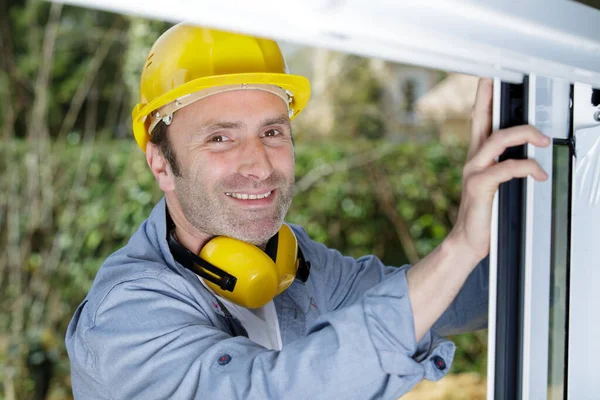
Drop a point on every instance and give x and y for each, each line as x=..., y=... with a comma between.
x=390, y=322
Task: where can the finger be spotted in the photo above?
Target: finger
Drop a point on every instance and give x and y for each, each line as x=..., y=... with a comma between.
x=505, y=138
x=481, y=124
x=487, y=182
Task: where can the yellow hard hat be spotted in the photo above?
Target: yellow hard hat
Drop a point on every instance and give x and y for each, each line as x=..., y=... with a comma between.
x=187, y=59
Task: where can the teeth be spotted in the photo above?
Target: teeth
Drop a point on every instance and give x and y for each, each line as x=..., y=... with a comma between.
x=245, y=196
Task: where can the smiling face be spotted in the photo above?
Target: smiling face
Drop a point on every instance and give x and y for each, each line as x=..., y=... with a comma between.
x=236, y=158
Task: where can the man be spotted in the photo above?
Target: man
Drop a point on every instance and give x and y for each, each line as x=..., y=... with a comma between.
x=160, y=322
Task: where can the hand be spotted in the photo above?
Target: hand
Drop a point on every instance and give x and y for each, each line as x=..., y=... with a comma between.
x=482, y=174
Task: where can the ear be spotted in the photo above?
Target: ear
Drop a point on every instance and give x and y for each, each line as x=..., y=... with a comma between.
x=160, y=168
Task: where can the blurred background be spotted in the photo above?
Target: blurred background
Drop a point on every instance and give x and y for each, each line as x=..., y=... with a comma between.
x=379, y=155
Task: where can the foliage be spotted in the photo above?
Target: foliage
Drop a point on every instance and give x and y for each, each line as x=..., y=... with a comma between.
x=101, y=192
x=343, y=210
x=357, y=102
x=90, y=56
x=98, y=196
x=70, y=194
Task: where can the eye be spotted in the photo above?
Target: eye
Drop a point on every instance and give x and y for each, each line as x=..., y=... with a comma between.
x=218, y=139
x=271, y=133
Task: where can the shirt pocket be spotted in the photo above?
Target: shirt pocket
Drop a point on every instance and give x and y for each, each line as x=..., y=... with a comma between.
x=299, y=312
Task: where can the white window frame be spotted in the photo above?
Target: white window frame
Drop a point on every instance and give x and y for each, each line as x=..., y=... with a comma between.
x=494, y=38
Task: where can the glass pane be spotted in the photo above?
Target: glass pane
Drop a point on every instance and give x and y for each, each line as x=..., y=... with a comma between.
x=558, y=273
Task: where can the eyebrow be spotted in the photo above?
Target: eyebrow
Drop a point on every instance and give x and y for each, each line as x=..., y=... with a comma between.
x=281, y=120
x=213, y=126
x=222, y=125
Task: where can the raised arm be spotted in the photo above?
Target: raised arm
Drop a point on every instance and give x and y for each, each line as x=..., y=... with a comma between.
x=435, y=281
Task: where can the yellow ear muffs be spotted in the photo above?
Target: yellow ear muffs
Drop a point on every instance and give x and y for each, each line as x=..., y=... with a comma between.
x=241, y=272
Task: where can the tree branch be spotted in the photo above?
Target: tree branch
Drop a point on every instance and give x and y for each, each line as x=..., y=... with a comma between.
x=86, y=82
x=324, y=170
x=54, y=256
x=387, y=201
x=37, y=154
x=37, y=126
x=8, y=64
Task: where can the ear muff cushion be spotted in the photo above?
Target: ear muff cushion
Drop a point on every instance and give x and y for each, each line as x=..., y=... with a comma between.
x=257, y=275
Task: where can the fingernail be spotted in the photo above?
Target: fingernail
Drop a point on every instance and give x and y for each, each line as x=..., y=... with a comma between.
x=547, y=139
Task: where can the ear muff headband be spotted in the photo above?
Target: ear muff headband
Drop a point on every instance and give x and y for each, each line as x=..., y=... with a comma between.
x=286, y=258
x=205, y=269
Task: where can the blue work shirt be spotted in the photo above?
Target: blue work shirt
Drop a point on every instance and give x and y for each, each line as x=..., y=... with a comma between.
x=148, y=329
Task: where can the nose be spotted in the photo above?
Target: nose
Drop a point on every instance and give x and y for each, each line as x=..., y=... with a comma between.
x=254, y=160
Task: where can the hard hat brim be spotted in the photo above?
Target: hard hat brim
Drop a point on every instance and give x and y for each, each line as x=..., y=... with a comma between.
x=299, y=86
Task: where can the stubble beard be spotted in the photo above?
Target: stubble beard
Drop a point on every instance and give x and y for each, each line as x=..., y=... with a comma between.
x=210, y=212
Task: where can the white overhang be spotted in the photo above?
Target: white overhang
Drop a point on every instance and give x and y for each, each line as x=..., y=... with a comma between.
x=497, y=38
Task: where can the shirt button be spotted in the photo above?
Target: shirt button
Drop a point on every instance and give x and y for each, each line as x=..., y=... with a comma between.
x=224, y=359
x=439, y=362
